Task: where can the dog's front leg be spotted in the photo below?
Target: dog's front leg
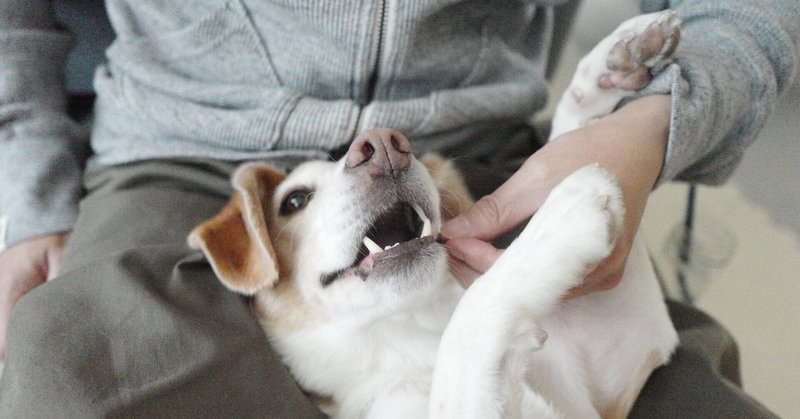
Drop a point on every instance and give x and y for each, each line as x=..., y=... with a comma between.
x=497, y=317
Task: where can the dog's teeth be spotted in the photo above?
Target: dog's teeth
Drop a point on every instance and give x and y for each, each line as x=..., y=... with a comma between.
x=372, y=246
x=426, y=228
x=426, y=222
x=390, y=247
x=419, y=211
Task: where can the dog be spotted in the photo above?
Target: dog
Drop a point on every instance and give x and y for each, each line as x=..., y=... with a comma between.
x=353, y=289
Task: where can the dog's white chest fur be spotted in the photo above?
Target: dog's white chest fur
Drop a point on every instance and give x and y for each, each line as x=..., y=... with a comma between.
x=402, y=347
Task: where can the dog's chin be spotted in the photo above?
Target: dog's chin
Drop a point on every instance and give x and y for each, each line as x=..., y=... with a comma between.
x=390, y=279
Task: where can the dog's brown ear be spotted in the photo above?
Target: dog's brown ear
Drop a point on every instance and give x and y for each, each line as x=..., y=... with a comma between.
x=453, y=192
x=236, y=241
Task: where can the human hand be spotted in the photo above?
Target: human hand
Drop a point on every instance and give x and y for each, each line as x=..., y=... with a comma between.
x=630, y=143
x=23, y=267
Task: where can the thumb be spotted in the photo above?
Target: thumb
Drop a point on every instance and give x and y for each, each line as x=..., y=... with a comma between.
x=482, y=220
x=476, y=254
x=54, y=262
x=492, y=216
x=55, y=251
x=497, y=213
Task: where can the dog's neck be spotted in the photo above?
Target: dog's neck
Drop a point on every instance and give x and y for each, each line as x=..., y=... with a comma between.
x=396, y=347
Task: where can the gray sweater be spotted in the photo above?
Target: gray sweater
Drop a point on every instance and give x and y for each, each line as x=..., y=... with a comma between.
x=247, y=79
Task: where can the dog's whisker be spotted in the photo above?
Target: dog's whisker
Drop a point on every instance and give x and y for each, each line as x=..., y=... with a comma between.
x=293, y=231
x=447, y=212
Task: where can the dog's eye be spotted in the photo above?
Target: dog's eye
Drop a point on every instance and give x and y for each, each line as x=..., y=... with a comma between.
x=295, y=200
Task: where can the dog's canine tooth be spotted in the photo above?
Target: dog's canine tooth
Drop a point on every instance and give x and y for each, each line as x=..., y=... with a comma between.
x=372, y=246
x=426, y=228
x=419, y=211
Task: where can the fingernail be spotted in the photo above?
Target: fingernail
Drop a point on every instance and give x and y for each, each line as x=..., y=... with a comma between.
x=457, y=227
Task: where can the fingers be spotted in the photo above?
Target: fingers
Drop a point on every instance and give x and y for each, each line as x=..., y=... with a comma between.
x=463, y=273
x=499, y=212
x=24, y=267
x=470, y=258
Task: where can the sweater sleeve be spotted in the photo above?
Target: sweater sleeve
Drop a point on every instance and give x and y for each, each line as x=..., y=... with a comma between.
x=40, y=147
x=734, y=60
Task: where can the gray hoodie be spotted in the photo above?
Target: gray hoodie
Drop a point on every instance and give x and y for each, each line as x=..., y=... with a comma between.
x=247, y=79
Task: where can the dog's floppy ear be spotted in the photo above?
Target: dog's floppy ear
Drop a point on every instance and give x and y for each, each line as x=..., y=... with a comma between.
x=455, y=198
x=236, y=241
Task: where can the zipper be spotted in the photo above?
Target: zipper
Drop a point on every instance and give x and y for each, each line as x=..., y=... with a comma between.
x=376, y=50
x=3, y=227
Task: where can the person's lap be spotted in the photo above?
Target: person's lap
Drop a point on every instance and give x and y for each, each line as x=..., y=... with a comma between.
x=137, y=324
x=702, y=379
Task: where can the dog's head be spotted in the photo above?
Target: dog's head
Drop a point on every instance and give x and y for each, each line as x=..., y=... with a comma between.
x=332, y=238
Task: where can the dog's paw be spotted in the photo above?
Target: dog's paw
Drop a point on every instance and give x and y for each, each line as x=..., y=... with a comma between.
x=645, y=45
x=581, y=219
x=621, y=63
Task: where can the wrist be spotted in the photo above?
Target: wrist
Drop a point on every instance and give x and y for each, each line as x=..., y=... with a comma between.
x=632, y=141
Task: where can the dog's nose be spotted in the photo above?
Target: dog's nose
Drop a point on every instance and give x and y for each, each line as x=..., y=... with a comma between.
x=382, y=151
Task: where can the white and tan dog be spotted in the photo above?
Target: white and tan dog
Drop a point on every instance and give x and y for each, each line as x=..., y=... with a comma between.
x=355, y=294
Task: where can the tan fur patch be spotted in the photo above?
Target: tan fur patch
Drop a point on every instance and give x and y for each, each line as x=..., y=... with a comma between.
x=323, y=403
x=225, y=241
x=455, y=196
x=236, y=241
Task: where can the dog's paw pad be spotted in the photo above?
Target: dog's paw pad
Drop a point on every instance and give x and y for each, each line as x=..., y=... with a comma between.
x=645, y=46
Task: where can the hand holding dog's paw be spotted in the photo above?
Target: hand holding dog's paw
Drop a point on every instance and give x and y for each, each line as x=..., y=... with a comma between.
x=630, y=144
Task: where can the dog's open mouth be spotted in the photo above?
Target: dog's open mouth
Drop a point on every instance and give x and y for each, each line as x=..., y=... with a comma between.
x=402, y=230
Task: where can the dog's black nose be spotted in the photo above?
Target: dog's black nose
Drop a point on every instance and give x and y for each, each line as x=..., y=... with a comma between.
x=382, y=151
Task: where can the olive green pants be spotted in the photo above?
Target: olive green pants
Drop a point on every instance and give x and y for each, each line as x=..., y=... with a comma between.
x=137, y=325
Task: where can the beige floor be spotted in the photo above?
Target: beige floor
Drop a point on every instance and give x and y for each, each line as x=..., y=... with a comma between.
x=755, y=291
x=754, y=294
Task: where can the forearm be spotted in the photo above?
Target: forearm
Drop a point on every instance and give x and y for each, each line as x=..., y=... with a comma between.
x=629, y=143
x=40, y=151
